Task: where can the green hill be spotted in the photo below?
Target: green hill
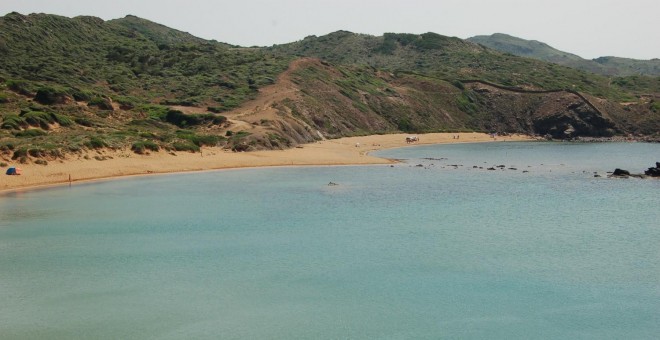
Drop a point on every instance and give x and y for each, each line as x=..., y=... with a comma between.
x=71, y=87
x=448, y=58
x=609, y=66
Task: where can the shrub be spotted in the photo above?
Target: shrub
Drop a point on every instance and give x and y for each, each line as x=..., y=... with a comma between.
x=102, y=103
x=38, y=118
x=405, y=125
x=95, y=142
x=81, y=95
x=154, y=111
x=240, y=147
x=36, y=152
x=4, y=98
x=20, y=153
x=126, y=103
x=181, y=102
x=181, y=119
x=3, y=165
x=41, y=162
x=62, y=119
x=199, y=140
x=142, y=146
x=13, y=122
x=21, y=87
x=655, y=106
x=49, y=95
x=215, y=109
x=30, y=133
x=210, y=140
x=84, y=121
x=185, y=147
x=7, y=146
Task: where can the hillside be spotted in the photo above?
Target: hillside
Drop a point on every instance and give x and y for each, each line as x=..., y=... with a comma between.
x=608, y=66
x=74, y=87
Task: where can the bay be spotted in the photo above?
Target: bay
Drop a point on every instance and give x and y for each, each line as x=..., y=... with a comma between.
x=433, y=247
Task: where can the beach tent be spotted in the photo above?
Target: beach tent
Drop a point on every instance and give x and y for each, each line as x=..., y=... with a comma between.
x=13, y=171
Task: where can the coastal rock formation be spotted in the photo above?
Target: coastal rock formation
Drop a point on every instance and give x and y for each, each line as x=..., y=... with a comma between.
x=620, y=172
x=653, y=172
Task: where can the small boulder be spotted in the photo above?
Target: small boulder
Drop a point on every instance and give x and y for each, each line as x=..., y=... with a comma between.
x=620, y=172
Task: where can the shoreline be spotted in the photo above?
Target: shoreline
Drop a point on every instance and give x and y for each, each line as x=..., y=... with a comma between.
x=126, y=164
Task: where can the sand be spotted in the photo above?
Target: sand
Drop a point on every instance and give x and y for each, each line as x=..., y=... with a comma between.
x=344, y=151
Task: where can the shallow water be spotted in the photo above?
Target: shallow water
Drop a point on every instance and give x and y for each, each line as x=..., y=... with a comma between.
x=435, y=251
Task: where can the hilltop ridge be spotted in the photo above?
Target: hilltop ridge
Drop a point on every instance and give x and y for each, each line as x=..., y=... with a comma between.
x=608, y=65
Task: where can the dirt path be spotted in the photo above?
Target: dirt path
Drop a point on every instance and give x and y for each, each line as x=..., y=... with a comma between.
x=250, y=114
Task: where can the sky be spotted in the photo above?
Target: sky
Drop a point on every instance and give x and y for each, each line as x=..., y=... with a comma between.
x=588, y=28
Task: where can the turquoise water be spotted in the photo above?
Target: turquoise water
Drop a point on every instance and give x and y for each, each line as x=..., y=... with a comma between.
x=431, y=251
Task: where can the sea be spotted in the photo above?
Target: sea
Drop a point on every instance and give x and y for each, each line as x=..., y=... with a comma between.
x=433, y=247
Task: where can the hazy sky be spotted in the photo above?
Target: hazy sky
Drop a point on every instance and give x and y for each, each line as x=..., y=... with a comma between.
x=588, y=28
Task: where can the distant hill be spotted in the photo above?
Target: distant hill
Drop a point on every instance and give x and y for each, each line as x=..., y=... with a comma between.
x=153, y=31
x=610, y=66
x=73, y=87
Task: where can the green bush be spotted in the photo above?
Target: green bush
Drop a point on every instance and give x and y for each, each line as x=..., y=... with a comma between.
x=7, y=146
x=155, y=112
x=127, y=103
x=180, y=102
x=4, y=98
x=30, y=133
x=215, y=109
x=84, y=121
x=96, y=142
x=181, y=119
x=141, y=147
x=13, y=122
x=655, y=107
x=62, y=119
x=102, y=103
x=36, y=152
x=21, y=153
x=466, y=102
x=49, y=95
x=405, y=125
x=21, y=86
x=178, y=146
x=209, y=140
x=199, y=140
x=3, y=165
x=38, y=118
x=81, y=95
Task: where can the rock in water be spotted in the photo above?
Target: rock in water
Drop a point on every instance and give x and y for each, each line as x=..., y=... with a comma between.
x=620, y=172
x=653, y=172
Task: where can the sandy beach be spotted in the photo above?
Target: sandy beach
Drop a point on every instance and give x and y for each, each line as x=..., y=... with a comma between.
x=114, y=164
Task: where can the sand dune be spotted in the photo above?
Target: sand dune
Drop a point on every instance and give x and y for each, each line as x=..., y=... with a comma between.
x=344, y=151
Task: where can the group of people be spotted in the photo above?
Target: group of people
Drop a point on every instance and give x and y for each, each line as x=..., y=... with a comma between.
x=412, y=139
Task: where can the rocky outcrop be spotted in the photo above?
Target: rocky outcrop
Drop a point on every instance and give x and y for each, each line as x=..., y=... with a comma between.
x=653, y=172
x=557, y=114
x=620, y=172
